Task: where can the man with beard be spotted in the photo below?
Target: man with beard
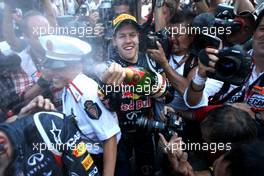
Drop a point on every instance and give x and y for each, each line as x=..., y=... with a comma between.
x=180, y=67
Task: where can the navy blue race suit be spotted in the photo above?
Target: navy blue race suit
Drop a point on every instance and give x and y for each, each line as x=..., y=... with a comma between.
x=47, y=144
x=130, y=107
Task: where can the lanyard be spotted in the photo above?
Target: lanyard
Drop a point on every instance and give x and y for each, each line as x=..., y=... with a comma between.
x=183, y=60
x=253, y=88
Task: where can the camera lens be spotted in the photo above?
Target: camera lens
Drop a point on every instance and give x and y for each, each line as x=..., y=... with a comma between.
x=227, y=67
x=150, y=125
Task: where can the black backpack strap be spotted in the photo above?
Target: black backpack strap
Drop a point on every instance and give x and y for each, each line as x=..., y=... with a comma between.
x=259, y=80
x=190, y=63
x=214, y=101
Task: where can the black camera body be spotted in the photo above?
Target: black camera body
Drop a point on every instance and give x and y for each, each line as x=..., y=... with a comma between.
x=225, y=11
x=225, y=17
x=233, y=66
x=83, y=10
x=162, y=37
x=152, y=38
x=203, y=41
x=173, y=124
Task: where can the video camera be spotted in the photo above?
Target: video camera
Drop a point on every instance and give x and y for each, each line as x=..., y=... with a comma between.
x=234, y=63
x=173, y=124
x=25, y=5
x=233, y=66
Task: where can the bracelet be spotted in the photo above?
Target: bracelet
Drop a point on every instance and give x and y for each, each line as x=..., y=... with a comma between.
x=196, y=90
x=198, y=80
x=43, y=83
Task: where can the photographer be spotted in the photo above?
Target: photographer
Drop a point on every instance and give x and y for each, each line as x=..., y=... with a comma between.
x=180, y=67
x=251, y=92
x=34, y=24
x=9, y=34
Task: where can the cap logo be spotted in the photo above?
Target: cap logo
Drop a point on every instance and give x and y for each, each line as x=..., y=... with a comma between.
x=49, y=45
x=123, y=17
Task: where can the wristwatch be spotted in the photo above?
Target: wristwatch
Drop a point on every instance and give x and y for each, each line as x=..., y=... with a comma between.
x=159, y=3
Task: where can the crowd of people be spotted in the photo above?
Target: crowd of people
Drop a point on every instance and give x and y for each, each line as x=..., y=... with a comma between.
x=132, y=88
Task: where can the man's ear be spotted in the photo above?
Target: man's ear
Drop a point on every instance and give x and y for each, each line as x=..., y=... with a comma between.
x=3, y=143
x=114, y=41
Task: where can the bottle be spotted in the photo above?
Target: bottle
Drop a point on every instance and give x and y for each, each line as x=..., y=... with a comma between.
x=144, y=82
x=138, y=80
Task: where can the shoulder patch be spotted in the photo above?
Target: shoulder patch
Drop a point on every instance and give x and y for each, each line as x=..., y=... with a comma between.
x=92, y=109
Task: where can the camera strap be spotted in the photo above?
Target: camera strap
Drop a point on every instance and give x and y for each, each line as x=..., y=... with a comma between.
x=182, y=60
x=249, y=90
x=215, y=99
x=190, y=63
x=255, y=88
